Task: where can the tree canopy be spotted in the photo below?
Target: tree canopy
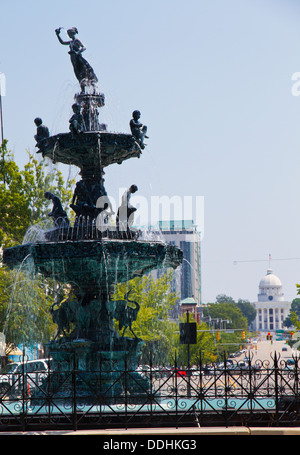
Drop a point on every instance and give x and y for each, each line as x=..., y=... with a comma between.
x=24, y=301
x=160, y=334
x=229, y=315
x=294, y=313
x=156, y=300
x=22, y=201
x=244, y=305
x=227, y=311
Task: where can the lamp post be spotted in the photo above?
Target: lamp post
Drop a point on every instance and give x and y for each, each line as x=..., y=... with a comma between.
x=188, y=336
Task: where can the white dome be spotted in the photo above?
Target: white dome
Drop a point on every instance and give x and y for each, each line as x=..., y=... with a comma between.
x=270, y=280
x=270, y=288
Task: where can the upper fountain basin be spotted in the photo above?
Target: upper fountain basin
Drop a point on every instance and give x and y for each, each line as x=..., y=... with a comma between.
x=90, y=150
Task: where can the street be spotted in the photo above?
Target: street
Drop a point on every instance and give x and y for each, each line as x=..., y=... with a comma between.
x=237, y=382
x=265, y=350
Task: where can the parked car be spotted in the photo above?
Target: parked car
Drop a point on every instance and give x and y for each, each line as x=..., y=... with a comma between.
x=34, y=371
x=179, y=372
x=239, y=367
x=289, y=364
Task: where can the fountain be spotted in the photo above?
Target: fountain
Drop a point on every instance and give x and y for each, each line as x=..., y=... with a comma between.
x=92, y=255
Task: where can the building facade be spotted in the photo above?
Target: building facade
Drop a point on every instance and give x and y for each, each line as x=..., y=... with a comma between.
x=192, y=307
x=271, y=307
x=187, y=278
x=184, y=234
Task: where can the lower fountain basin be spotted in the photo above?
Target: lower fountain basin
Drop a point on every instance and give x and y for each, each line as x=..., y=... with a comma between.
x=86, y=334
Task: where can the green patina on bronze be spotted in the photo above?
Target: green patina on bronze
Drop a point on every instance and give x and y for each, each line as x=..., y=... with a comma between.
x=88, y=261
x=91, y=151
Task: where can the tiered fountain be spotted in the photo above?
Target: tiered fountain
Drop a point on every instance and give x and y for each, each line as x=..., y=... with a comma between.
x=92, y=255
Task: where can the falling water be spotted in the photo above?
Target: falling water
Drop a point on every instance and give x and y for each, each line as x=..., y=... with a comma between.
x=13, y=292
x=27, y=305
x=152, y=234
x=36, y=233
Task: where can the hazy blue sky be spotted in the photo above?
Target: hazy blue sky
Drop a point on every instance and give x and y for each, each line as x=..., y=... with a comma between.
x=212, y=79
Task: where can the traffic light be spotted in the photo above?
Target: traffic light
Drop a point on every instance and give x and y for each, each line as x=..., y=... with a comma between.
x=243, y=335
x=218, y=336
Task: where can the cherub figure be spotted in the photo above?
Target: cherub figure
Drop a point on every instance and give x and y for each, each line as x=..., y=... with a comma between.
x=138, y=130
x=76, y=121
x=124, y=219
x=58, y=214
x=42, y=132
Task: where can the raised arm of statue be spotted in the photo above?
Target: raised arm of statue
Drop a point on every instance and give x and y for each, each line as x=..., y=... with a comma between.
x=57, y=31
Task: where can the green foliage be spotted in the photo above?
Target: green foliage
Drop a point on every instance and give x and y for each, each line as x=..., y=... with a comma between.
x=294, y=312
x=152, y=324
x=24, y=300
x=161, y=335
x=14, y=208
x=294, y=320
x=223, y=298
x=227, y=311
x=24, y=308
x=38, y=181
x=244, y=305
x=22, y=201
x=247, y=309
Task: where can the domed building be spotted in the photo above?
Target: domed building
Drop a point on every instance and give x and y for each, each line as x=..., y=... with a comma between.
x=271, y=308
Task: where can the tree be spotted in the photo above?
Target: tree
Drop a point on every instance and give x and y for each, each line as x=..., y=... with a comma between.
x=152, y=325
x=24, y=308
x=14, y=207
x=223, y=298
x=295, y=311
x=295, y=320
x=226, y=312
x=244, y=305
x=247, y=309
x=24, y=301
x=22, y=201
x=38, y=181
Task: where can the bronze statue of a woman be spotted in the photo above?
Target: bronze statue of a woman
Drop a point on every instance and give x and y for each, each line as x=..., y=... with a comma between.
x=82, y=69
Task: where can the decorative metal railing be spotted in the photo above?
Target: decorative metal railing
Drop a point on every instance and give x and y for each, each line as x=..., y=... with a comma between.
x=264, y=393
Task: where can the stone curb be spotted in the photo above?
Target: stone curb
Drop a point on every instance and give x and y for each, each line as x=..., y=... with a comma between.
x=231, y=431
x=173, y=432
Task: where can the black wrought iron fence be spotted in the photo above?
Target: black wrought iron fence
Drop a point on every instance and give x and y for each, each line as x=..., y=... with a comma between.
x=264, y=393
